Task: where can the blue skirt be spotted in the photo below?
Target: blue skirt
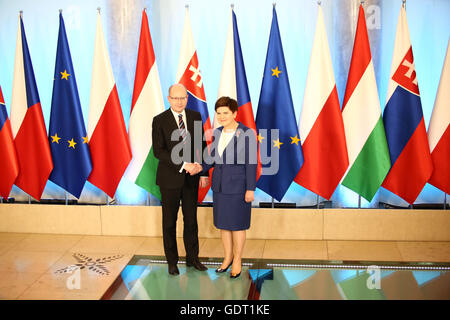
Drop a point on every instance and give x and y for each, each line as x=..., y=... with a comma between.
x=231, y=212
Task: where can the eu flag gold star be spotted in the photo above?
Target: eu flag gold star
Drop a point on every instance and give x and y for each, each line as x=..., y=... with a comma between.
x=295, y=140
x=55, y=138
x=71, y=143
x=260, y=138
x=85, y=140
x=277, y=143
x=65, y=75
x=276, y=72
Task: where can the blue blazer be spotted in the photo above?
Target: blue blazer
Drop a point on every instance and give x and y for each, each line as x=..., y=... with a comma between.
x=234, y=171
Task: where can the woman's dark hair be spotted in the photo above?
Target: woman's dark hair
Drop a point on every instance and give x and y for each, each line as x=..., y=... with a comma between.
x=227, y=102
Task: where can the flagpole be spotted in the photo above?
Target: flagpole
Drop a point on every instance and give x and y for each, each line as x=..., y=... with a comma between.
x=29, y=199
x=318, y=201
x=65, y=193
x=445, y=200
x=359, y=201
x=273, y=203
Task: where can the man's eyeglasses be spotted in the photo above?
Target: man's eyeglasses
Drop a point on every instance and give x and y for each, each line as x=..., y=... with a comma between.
x=178, y=98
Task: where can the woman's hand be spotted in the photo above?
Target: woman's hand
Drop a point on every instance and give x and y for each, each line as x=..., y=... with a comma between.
x=249, y=196
x=204, y=181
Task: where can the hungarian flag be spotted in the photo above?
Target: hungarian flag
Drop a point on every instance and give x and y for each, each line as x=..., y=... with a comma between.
x=321, y=126
x=27, y=123
x=189, y=75
x=404, y=123
x=107, y=135
x=233, y=80
x=368, y=152
x=439, y=131
x=8, y=158
x=147, y=102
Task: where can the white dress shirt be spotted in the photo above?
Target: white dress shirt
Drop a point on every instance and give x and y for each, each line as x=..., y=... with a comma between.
x=176, y=116
x=224, y=139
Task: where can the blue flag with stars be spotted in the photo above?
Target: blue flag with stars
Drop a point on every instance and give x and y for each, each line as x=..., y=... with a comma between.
x=276, y=111
x=67, y=133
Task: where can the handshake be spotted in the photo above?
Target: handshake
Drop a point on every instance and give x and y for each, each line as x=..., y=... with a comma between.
x=193, y=168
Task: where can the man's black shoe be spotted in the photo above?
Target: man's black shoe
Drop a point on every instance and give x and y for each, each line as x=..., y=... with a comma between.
x=173, y=270
x=197, y=265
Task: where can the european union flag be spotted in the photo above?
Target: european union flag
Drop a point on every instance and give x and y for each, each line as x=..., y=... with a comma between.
x=276, y=111
x=67, y=133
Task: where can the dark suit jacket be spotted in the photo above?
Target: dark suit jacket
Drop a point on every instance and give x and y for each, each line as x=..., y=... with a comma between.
x=164, y=124
x=234, y=171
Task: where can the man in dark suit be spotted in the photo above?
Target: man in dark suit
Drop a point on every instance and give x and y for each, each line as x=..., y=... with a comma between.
x=174, y=147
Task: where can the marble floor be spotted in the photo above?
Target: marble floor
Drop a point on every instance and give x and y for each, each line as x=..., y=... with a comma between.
x=47, y=266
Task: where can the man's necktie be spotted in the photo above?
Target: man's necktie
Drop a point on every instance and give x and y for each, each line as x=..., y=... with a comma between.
x=182, y=126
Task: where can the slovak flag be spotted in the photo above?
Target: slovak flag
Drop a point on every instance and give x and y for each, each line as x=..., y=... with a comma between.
x=404, y=124
x=188, y=74
x=8, y=158
x=107, y=135
x=233, y=80
x=439, y=131
x=27, y=123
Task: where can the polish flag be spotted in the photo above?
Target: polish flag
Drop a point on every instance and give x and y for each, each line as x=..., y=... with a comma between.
x=188, y=74
x=233, y=81
x=439, y=131
x=321, y=126
x=27, y=124
x=107, y=135
x=147, y=102
x=8, y=158
x=404, y=124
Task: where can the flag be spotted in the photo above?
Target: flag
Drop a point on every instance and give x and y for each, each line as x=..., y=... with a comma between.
x=27, y=123
x=404, y=124
x=107, y=135
x=189, y=75
x=368, y=152
x=321, y=127
x=439, y=131
x=233, y=80
x=147, y=102
x=276, y=111
x=8, y=157
x=67, y=133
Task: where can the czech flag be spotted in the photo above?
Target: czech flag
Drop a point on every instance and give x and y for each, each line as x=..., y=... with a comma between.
x=27, y=122
x=8, y=157
x=233, y=80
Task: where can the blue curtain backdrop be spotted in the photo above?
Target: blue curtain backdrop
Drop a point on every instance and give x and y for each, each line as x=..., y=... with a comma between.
x=428, y=24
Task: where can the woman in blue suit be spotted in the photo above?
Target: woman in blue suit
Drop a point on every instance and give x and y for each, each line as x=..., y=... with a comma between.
x=234, y=158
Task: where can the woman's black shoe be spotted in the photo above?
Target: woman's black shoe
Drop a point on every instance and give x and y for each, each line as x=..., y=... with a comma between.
x=234, y=276
x=220, y=270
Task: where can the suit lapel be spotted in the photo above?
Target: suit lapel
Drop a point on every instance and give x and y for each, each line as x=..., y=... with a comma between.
x=171, y=123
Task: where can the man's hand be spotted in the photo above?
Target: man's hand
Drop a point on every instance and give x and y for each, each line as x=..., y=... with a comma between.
x=193, y=168
x=249, y=196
